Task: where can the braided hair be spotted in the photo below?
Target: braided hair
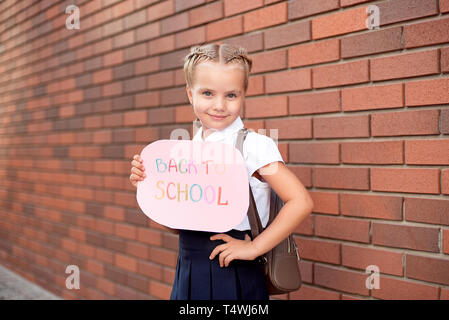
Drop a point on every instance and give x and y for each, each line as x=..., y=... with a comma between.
x=221, y=53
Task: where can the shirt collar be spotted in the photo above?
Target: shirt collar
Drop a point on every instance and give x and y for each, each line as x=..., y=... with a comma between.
x=220, y=135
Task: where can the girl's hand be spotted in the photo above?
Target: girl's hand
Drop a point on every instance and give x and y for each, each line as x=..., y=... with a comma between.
x=233, y=249
x=137, y=169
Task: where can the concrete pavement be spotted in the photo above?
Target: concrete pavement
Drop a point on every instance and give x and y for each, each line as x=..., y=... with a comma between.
x=15, y=287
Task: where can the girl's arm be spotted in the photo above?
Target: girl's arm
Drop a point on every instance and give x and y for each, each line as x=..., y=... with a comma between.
x=297, y=206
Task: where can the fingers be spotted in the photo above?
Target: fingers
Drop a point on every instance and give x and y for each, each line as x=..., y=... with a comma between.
x=217, y=250
x=221, y=236
x=223, y=258
x=137, y=170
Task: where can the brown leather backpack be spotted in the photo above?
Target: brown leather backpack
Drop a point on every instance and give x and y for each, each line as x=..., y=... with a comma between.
x=282, y=273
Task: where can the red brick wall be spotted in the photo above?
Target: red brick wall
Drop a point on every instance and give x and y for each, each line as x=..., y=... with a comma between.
x=362, y=114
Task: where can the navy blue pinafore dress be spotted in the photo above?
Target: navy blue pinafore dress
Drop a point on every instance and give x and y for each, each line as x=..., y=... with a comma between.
x=199, y=278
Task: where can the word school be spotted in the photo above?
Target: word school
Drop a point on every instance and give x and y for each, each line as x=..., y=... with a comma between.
x=195, y=192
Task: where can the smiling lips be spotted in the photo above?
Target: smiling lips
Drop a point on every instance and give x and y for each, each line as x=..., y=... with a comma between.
x=217, y=117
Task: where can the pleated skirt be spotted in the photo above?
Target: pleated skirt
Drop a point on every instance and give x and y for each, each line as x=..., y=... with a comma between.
x=199, y=278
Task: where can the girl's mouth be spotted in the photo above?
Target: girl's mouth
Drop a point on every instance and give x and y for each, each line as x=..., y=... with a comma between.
x=217, y=117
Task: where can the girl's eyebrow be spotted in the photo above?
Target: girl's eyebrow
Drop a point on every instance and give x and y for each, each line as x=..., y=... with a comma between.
x=203, y=89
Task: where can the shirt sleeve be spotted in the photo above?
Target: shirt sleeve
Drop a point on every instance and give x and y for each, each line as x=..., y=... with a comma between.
x=258, y=151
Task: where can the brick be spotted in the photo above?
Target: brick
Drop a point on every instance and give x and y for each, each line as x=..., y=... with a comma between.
x=338, y=23
x=325, y=202
x=341, y=127
x=266, y=107
x=343, y=229
x=255, y=86
x=304, y=8
x=446, y=242
x=444, y=6
x=360, y=258
x=148, y=31
x=224, y=28
x=326, y=153
x=379, y=152
x=371, y=206
x=175, y=23
x=135, y=52
x=426, y=33
x=269, y=61
x=291, y=128
x=409, y=237
x=372, y=97
x=312, y=293
x=181, y=5
x=265, y=17
x=310, y=103
x=160, y=10
x=146, y=65
x=150, y=99
x=184, y=114
x=445, y=60
x=294, y=80
x=135, y=118
x=207, y=13
x=172, y=96
x=306, y=227
x=398, y=289
x=421, y=122
x=427, y=92
x=125, y=262
x=291, y=33
x=124, y=39
x=405, y=180
x=434, y=211
x=341, y=178
x=445, y=181
x=341, y=280
x=147, y=134
x=232, y=7
x=445, y=121
x=341, y=74
x=303, y=173
x=121, y=9
x=161, y=45
x=159, y=290
x=372, y=42
x=158, y=116
x=252, y=42
x=160, y=80
x=194, y=36
x=427, y=269
x=135, y=84
x=402, y=10
x=314, y=53
x=347, y=3
x=163, y=256
x=433, y=152
x=396, y=67
x=317, y=250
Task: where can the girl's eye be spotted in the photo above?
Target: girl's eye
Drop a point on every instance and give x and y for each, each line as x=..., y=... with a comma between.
x=206, y=92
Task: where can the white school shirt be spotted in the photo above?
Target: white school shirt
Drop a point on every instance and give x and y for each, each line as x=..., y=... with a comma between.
x=258, y=151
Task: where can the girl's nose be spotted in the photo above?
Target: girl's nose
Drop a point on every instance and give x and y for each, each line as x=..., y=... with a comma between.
x=220, y=104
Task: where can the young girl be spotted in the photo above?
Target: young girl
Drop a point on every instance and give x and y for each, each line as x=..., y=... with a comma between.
x=225, y=266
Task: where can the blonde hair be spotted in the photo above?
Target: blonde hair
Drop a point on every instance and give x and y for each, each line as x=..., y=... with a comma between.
x=220, y=53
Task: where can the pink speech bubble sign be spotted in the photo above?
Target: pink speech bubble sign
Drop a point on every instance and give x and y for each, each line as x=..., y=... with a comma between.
x=194, y=185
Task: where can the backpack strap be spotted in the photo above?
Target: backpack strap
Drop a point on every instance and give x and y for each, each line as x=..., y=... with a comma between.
x=253, y=215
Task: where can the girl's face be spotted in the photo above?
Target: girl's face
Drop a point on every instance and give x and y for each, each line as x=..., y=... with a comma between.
x=217, y=95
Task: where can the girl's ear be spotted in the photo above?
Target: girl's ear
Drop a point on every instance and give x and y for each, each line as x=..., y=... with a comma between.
x=189, y=94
